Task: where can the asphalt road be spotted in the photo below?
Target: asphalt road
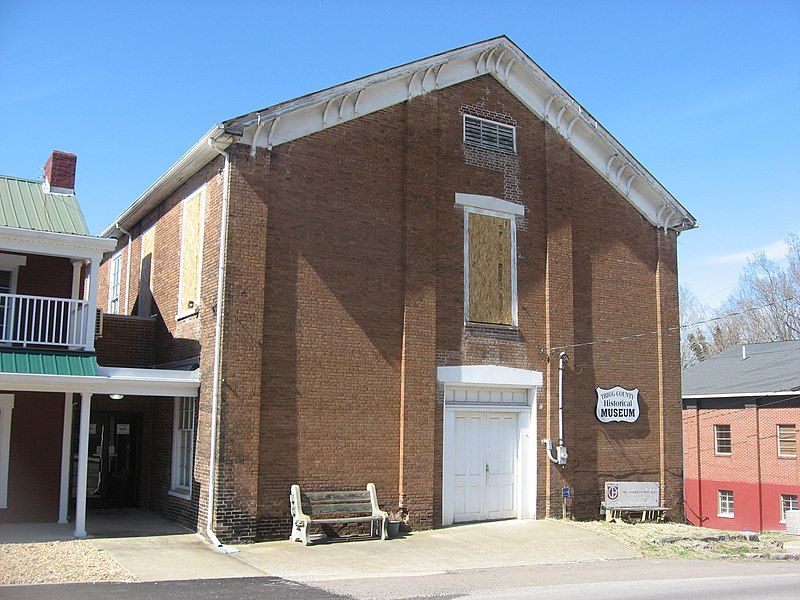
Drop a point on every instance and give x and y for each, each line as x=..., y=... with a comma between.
x=250, y=588
x=620, y=580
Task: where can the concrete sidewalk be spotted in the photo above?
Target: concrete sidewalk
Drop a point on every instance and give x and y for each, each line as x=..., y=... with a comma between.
x=154, y=549
x=474, y=546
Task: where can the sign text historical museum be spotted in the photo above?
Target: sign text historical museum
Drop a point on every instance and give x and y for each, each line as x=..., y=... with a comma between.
x=617, y=404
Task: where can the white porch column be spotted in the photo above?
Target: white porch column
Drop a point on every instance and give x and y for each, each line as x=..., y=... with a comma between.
x=83, y=466
x=66, y=447
x=77, y=265
x=92, y=268
x=6, y=407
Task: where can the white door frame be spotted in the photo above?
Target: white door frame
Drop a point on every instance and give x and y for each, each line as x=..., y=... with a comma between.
x=493, y=376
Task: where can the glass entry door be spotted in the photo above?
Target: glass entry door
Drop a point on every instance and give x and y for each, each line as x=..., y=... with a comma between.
x=113, y=460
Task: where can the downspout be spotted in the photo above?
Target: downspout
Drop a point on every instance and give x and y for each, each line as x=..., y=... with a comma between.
x=216, y=381
x=128, y=267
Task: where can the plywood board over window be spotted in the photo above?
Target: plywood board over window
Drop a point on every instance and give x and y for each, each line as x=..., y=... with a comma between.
x=191, y=254
x=145, y=304
x=490, y=272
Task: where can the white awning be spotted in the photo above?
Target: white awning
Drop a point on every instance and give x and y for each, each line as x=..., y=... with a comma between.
x=109, y=380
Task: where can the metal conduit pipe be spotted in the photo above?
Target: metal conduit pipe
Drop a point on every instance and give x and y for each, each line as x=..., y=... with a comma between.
x=560, y=457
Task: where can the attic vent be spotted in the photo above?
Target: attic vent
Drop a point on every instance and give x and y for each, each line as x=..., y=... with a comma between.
x=490, y=134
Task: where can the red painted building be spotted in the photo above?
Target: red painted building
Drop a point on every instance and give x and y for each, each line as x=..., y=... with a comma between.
x=741, y=413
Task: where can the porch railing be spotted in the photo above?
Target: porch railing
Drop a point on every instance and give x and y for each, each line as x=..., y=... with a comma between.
x=44, y=321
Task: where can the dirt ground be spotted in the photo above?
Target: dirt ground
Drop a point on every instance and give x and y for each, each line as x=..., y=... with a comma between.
x=654, y=540
x=58, y=562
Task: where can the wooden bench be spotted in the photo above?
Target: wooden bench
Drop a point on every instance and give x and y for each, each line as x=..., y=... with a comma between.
x=316, y=507
x=648, y=513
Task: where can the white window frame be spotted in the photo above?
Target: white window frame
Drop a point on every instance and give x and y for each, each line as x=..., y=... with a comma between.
x=12, y=262
x=789, y=499
x=502, y=209
x=115, y=263
x=778, y=440
x=177, y=488
x=729, y=504
x=6, y=412
x=183, y=314
x=717, y=451
x=513, y=129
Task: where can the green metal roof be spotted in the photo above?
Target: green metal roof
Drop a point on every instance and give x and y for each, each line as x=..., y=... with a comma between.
x=24, y=204
x=47, y=362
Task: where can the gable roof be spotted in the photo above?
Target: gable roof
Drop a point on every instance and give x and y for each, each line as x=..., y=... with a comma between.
x=25, y=205
x=770, y=367
x=498, y=57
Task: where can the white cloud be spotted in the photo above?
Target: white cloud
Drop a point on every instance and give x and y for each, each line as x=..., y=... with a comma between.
x=774, y=251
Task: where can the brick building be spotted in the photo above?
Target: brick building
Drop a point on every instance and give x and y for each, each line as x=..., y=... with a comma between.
x=378, y=276
x=741, y=412
x=52, y=355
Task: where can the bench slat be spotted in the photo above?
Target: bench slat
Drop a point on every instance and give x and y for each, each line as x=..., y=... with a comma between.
x=335, y=497
x=344, y=507
x=350, y=520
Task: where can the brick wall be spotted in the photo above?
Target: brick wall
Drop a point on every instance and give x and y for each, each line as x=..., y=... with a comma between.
x=126, y=342
x=45, y=276
x=363, y=297
x=35, y=459
x=344, y=291
x=173, y=340
x=753, y=470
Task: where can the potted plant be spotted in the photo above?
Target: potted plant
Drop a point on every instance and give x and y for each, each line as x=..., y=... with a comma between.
x=396, y=518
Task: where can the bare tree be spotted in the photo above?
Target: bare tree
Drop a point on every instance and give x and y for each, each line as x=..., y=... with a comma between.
x=765, y=306
x=695, y=339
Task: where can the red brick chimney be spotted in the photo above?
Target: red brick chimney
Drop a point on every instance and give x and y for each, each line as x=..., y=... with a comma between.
x=59, y=172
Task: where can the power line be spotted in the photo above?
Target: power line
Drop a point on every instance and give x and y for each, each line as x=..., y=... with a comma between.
x=675, y=328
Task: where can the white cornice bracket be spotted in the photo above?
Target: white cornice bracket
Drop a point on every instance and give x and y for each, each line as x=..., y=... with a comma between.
x=254, y=143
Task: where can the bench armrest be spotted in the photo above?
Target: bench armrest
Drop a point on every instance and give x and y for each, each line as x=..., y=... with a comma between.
x=373, y=498
x=297, y=504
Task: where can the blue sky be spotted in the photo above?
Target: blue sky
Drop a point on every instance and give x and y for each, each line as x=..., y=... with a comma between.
x=704, y=94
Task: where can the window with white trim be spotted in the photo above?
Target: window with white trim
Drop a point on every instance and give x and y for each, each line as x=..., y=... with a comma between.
x=490, y=267
x=722, y=439
x=725, y=503
x=183, y=447
x=114, y=278
x=490, y=134
x=787, y=441
x=6, y=410
x=788, y=502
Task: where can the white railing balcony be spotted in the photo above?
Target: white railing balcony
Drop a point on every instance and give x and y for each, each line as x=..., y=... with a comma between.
x=44, y=321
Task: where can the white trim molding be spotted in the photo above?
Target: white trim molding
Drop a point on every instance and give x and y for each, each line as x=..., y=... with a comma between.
x=490, y=203
x=6, y=411
x=498, y=57
x=493, y=376
x=29, y=241
x=490, y=376
x=469, y=202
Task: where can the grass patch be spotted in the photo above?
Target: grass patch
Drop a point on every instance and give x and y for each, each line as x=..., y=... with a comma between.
x=642, y=537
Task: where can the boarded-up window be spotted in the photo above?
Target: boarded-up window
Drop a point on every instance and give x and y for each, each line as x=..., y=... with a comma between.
x=145, y=304
x=490, y=272
x=191, y=250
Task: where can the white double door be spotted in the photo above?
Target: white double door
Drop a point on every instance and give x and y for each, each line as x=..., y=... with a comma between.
x=484, y=465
